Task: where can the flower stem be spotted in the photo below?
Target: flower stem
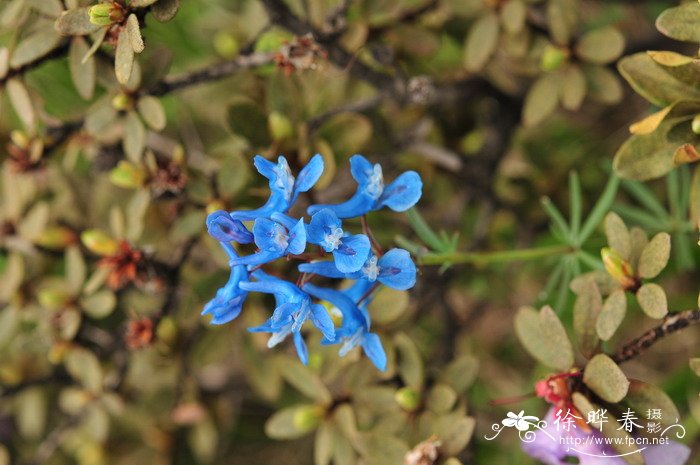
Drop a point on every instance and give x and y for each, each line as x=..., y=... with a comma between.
x=485, y=258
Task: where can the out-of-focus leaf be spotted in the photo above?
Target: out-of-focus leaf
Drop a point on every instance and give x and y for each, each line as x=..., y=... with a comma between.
x=75, y=270
x=513, y=14
x=694, y=204
x=135, y=214
x=304, y=380
x=323, y=444
x=481, y=42
x=82, y=72
x=347, y=133
x=541, y=99
x=601, y=45
x=34, y=46
x=668, y=58
x=22, y=103
x=611, y=315
x=454, y=431
x=75, y=22
x=652, y=299
x=605, y=378
x=34, y=222
x=99, y=243
x=247, y=120
x=681, y=22
x=203, y=439
x=574, y=88
x=441, y=398
x=152, y=112
x=288, y=424
x=695, y=365
x=381, y=449
x=96, y=423
x=647, y=156
x=100, y=304
x=232, y=175
x=460, y=373
x=655, y=256
x=127, y=175
x=562, y=17
x=85, y=368
x=617, y=234
x=134, y=140
x=12, y=277
x=410, y=363
x=544, y=337
x=165, y=10
x=123, y=58
x=603, y=85
x=388, y=305
x=4, y=61
x=30, y=412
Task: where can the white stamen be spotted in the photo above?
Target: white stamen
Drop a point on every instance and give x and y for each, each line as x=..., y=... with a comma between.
x=371, y=269
x=376, y=182
x=285, y=180
x=332, y=239
x=351, y=342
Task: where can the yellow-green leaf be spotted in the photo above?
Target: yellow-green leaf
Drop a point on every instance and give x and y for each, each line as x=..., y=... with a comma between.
x=652, y=299
x=604, y=377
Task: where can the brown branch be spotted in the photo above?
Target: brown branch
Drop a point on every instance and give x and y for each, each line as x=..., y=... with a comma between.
x=672, y=323
x=58, y=52
x=210, y=73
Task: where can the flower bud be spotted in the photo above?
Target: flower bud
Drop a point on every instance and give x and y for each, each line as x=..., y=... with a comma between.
x=618, y=267
x=553, y=57
x=53, y=298
x=127, y=175
x=408, y=398
x=104, y=14
x=55, y=238
x=280, y=126
x=223, y=228
x=122, y=102
x=695, y=125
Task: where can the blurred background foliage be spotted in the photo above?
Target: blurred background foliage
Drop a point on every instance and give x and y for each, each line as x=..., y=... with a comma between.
x=118, y=137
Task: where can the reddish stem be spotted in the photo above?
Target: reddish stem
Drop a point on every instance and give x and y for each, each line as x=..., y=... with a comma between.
x=368, y=232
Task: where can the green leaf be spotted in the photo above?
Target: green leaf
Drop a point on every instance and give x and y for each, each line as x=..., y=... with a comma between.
x=655, y=255
x=695, y=365
x=681, y=22
x=441, y=399
x=611, y=315
x=481, y=42
x=603, y=85
x=544, y=337
x=388, y=305
x=247, y=120
x=694, y=202
x=34, y=47
x=668, y=58
x=601, y=46
x=323, y=444
x=82, y=72
x=653, y=82
x=75, y=22
x=454, y=431
x=618, y=235
x=75, y=270
x=648, y=156
x=100, y=304
x=123, y=58
x=586, y=311
x=638, y=241
x=165, y=10
x=410, y=362
x=642, y=397
x=232, y=175
x=652, y=299
x=562, y=17
x=304, y=380
x=541, y=99
x=604, y=377
x=381, y=449
x=460, y=373
x=12, y=277
x=30, y=408
x=513, y=15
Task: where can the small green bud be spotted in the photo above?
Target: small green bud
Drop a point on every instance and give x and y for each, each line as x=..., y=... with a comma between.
x=55, y=238
x=695, y=125
x=102, y=14
x=308, y=417
x=53, y=298
x=226, y=45
x=619, y=268
x=553, y=58
x=408, y=398
x=166, y=331
x=280, y=126
x=99, y=243
x=122, y=102
x=19, y=138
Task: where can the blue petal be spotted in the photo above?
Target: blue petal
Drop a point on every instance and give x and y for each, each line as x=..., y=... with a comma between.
x=284, y=312
x=286, y=291
x=260, y=258
x=268, y=235
x=276, y=203
x=322, y=320
x=397, y=270
x=403, y=193
x=309, y=175
x=302, y=351
x=372, y=346
x=265, y=167
x=321, y=223
x=361, y=169
x=327, y=269
x=285, y=220
x=359, y=204
x=337, y=298
x=263, y=328
x=352, y=253
x=297, y=239
x=224, y=311
x=223, y=228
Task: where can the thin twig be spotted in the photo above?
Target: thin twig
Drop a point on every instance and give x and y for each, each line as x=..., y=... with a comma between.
x=672, y=323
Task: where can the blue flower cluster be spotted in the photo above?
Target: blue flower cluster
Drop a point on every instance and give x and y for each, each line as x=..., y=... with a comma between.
x=277, y=235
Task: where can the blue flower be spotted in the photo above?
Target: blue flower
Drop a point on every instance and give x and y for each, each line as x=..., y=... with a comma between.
x=223, y=228
x=284, y=188
x=354, y=330
x=228, y=302
x=293, y=308
x=371, y=194
x=274, y=241
x=394, y=269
